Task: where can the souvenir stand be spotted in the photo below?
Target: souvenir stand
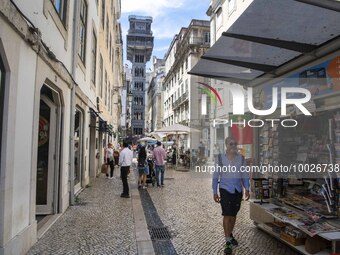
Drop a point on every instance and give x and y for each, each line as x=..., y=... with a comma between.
x=302, y=206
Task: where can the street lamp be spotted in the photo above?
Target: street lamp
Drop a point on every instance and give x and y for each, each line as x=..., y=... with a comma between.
x=129, y=112
x=129, y=97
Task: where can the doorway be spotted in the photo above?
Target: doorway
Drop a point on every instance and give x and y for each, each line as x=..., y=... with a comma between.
x=78, y=145
x=48, y=156
x=2, y=94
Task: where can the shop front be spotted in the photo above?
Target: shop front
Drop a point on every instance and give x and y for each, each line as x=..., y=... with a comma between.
x=78, y=150
x=48, y=175
x=289, y=67
x=296, y=195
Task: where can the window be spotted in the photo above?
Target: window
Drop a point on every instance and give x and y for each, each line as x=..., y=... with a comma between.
x=82, y=30
x=78, y=119
x=107, y=32
x=112, y=92
x=207, y=38
x=94, y=57
x=140, y=26
x=139, y=86
x=109, y=98
x=105, y=99
x=110, y=47
x=231, y=6
x=219, y=17
x=139, y=72
x=113, y=58
x=103, y=14
x=137, y=131
x=2, y=94
x=139, y=58
x=101, y=76
x=61, y=8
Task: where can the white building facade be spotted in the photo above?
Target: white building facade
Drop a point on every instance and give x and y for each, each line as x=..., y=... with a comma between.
x=182, y=98
x=49, y=72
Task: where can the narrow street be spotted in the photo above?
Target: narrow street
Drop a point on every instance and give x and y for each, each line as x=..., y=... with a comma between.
x=104, y=223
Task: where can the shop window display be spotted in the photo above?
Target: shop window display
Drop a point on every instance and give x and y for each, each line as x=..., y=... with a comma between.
x=306, y=198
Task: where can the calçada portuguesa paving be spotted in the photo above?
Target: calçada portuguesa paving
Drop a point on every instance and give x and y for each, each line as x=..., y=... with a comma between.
x=103, y=223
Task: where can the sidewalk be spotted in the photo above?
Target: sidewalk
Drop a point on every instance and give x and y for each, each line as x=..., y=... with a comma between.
x=101, y=222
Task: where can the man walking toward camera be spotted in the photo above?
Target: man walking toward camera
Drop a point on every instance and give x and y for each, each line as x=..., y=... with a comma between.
x=125, y=160
x=159, y=156
x=230, y=189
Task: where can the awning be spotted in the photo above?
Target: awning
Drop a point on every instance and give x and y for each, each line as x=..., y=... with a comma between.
x=102, y=125
x=93, y=113
x=268, y=35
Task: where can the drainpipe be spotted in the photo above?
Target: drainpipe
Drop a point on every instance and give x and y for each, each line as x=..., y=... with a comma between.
x=72, y=101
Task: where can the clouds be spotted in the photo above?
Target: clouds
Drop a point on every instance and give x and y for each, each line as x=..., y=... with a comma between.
x=151, y=7
x=169, y=16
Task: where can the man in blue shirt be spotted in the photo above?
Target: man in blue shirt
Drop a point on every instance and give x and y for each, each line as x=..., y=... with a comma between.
x=230, y=188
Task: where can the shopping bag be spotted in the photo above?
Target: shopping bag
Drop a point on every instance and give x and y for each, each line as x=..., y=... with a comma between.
x=104, y=168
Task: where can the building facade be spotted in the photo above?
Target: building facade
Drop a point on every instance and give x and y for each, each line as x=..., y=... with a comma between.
x=51, y=127
x=182, y=98
x=155, y=107
x=139, y=43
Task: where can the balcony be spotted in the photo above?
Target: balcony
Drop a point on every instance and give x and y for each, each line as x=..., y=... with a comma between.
x=190, y=42
x=139, y=44
x=182, y=99
x=201, y=23
x=136, y=17
x=134, y=31
x=174, y=104
x=198, y=41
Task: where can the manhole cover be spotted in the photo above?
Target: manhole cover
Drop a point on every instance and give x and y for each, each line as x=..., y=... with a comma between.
x=159, y=233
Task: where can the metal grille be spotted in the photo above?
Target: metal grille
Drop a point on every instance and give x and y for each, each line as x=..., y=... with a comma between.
x=159, y=233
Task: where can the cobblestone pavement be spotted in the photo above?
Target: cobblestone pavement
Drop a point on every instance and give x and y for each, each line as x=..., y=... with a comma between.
x=186, y=206
x=102, y=223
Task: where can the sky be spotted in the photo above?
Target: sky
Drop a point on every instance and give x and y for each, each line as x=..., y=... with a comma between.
x=169, y=16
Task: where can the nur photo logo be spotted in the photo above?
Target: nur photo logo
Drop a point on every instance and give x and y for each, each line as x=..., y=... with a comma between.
x=212, y=93
x=281, y=98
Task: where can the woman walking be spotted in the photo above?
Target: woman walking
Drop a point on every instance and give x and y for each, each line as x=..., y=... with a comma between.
x=142, y=169
x=109, y=160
